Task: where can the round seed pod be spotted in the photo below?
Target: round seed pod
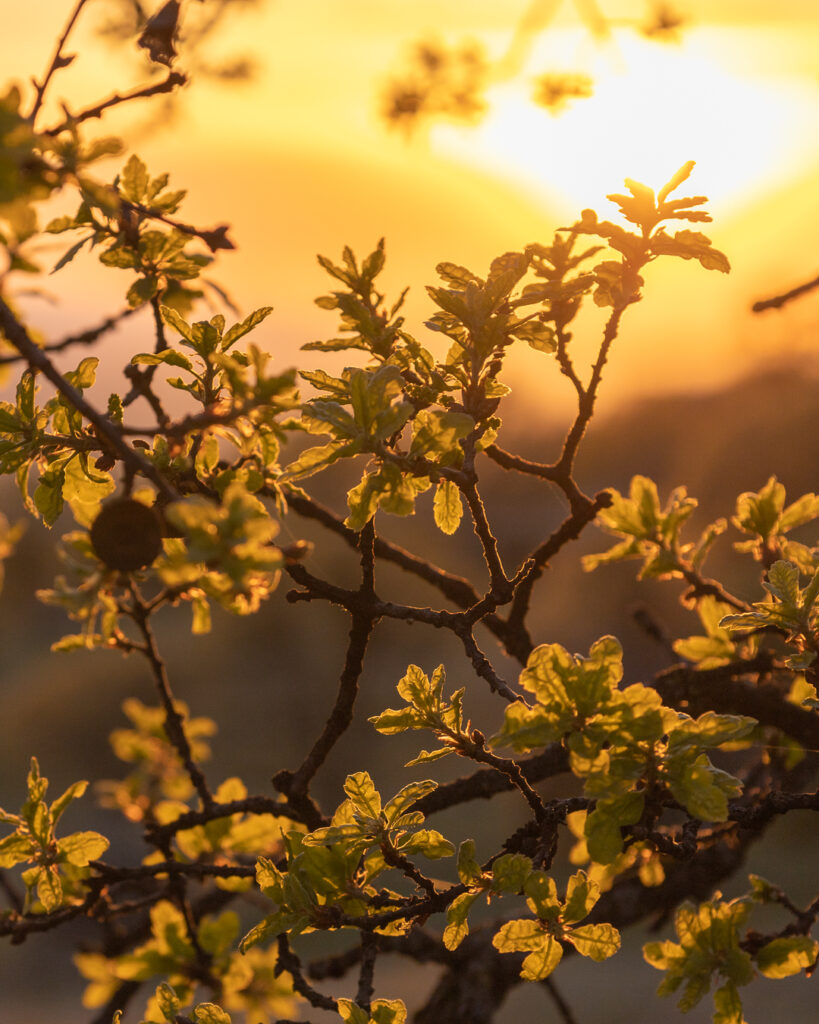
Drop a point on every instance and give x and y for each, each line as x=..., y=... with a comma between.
x=126, y=535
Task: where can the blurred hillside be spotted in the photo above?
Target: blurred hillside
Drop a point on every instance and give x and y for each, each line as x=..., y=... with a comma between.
x=268, y=679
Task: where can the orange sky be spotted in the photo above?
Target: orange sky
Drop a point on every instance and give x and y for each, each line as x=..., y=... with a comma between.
x=298, y=162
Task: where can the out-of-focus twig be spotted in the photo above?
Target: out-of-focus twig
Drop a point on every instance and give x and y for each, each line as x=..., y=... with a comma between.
x=777, y=301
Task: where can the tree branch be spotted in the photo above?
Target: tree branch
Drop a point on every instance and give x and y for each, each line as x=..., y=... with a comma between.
x=18, y=336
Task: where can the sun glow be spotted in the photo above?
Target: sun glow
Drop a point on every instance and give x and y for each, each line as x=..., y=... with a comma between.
x=654, y=107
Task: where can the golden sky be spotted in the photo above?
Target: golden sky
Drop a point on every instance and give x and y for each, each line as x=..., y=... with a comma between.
x=299, y=162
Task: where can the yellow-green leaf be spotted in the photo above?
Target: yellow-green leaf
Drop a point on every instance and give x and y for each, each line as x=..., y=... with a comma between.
x=596, y=941
x=783, y=957
x=448, y=507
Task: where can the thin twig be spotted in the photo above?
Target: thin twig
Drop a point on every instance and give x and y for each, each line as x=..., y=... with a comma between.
x=780, y=300
x=288, y=961
x=489, y=545
x=57, y=61
x=174, y=723
x=361, y=607
x=369, y=951
x=87, y=337
x=569, y=530
x=587, y=401
x=476, y=749
x=174, y=79
x=563, y=1008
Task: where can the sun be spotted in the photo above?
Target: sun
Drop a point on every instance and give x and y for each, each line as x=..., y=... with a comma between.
x=653, y=108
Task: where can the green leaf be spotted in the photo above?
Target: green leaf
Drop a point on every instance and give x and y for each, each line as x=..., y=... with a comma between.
x=391, y=722
x=82, y=847
x=456, y=276
x=457, y=926
x=436, y=432
x=581, y=895
x=784, y=957
x=142, y=291
x=390, y=488
x=352, y=1013
x=728, y=1005
x=313, y=460
x=696, y=787
x=49, y=888
x=527, y=935
x=759, y=513
x=69, y=254
x=210, y=1013
x=115, y=409
x=48, y=496
x=167, y=1001
x=117, y=256
x=538, y=336
x=542, y=898
x=16, y=849
x=783, y=582
x=540, y=963
x=58, y=806
x=426, y=756
x=360, y=789
x=429, y=843
x=510, y=871
x=207, y=458
x=448, y=507
x=469, y=871
x=406, y=797
x=517, y=936
x=603, y=824
x=388, y=1011
x=596, y=941
x=168, y=356
x=173, y=319
x=247, y=325
x=803, y=510
x=676, y=180
x=134, y=179
x=85, y=491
